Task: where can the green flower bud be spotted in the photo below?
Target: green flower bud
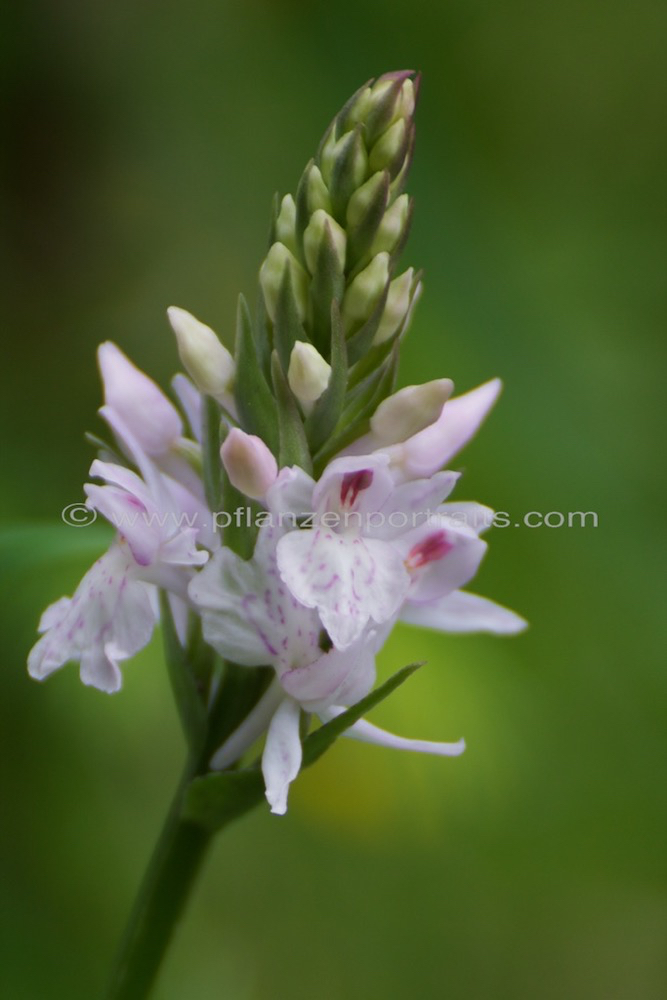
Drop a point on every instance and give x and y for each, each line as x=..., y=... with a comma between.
x=286, y=223
x=347, y=152
x=312, y=238
x=389, y=151
x=308, y=374
x=317, y=191
x=207, y=361
x=397, y=306
x=271, y=276
x=393, y=225
x=364, y=292
x=409, y=410
x=359, y=110
x=363, y=198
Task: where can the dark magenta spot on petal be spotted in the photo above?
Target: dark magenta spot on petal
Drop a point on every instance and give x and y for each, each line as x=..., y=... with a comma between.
x=430, y=549
x=352, y=485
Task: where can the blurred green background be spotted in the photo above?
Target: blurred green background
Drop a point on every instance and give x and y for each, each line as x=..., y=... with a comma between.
x=145, y=143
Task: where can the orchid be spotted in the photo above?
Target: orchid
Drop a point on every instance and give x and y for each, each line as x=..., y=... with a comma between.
x=272, y=621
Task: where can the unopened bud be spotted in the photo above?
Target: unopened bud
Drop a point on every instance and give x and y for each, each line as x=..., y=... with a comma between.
x=208, y=362
x=136, y=399
x=315, y=233
x=271, y=276
x=363, y=198
x=409, y=410
x=360, y=108
x=308, y=374
x=347, y=147
x=364, y=292
x=316, y=191
x=384, y=153
x=250, y=465
x=397, y=306
x=393, y=225
x=286, y=223
x=405, y=106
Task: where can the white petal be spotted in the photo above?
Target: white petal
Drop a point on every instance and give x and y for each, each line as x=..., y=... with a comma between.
x=190, y=399
x=290, y=497
x=129, y=516
x=463, y=612
x=250, y=729
x=467, y=512
x=109, y=618
x=336, y=676
x=281, y=759
x=228, y=592
x=54, y=614
x=100, y=670
x=366, y=732
x=348, y=579
x=411, y=504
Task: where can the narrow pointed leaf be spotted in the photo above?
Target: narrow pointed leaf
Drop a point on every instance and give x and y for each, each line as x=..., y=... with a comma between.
x=293, y=446
x=287, y=327
x=318, y=742
x=255, y=402
x=361, y=340
x=212, y=466
x=183, y=684
x=326, y=288
x=347, y=173
x=361, y=236
x=327, y=410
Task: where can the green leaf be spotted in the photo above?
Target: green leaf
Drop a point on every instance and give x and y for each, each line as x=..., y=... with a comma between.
x=348, y=172
x=212, y=466
x=302, y=210
x=238, y=692
x=293, y=448
x=214, y=800
x=287, y=326
x=361, y=236
x=318, y=742
x=346, y=117
x=382, y=112
x=326, y=412
x=255, y=402
x=183, y=683
x=326, y=288
x=358, y=411
x=361, y=340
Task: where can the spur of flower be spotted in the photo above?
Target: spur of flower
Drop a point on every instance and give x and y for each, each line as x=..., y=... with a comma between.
x=274, y=622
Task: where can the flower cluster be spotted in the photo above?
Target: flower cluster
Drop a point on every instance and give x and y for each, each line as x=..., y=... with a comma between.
x=304, y=418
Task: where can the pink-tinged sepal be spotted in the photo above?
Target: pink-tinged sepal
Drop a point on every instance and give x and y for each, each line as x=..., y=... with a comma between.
x=431, y=448
x=138, y=401
x=440, y=556
x=463, y=612
x=366, y=732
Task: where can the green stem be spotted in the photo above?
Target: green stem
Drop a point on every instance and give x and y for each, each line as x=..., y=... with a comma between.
x=171, y=874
